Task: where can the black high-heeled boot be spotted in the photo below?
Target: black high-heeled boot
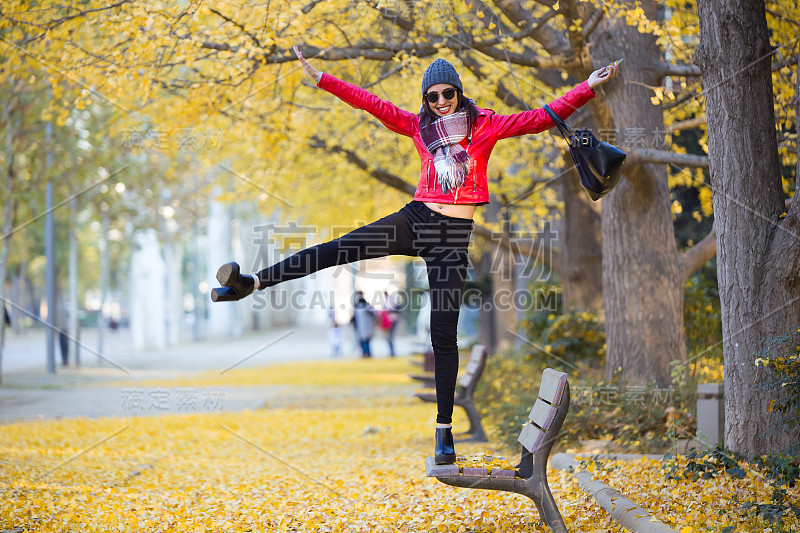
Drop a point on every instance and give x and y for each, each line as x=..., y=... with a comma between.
x=235, y=286
x=445, y=453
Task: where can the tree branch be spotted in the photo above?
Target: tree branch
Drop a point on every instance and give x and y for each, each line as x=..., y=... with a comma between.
x=393, y=16
x=386, y=52
x=552, y=40
x=504, y=93
x=695, y=257
x=478, y=6
x=527, y=60
x=640, y=156
x=670, y=69
x=504, y=32
x=783, y=63
x=592, y=23
x=575, y=12
x=689, y=124
x=304, y=10
x=244, y=30
x=381, y=175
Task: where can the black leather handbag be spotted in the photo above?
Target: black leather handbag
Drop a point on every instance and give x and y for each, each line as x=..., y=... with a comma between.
x=599, y=163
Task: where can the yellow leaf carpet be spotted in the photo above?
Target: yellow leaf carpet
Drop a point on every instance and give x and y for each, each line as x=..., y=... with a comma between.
x=341, y=449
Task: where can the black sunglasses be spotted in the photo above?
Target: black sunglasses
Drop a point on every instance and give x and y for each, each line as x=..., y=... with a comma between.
x=433, y=97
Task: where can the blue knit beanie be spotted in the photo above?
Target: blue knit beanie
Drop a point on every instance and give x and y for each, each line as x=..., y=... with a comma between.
x=440, y=71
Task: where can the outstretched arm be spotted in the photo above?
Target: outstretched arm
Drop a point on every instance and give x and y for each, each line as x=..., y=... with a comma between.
x=390, y=115
x=310, y=71
x=537, y=120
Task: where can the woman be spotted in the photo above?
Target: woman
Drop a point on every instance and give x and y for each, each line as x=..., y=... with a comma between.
x=454, y=138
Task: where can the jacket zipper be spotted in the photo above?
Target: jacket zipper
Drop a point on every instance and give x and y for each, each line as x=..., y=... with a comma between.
x=471, y=162
x=474, y=181
x=428, y=175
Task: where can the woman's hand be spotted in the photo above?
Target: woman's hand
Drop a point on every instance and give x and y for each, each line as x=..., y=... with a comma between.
x=310, y=71
x=602, y=75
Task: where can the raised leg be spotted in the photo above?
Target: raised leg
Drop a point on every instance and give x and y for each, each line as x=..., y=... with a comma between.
x=391, y=235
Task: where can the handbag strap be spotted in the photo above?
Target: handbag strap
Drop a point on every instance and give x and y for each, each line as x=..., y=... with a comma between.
x=565, y=130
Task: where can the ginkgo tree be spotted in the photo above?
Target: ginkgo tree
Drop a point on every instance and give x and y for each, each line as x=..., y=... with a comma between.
x=759, y=244
x=230, y=66
x=51, y=135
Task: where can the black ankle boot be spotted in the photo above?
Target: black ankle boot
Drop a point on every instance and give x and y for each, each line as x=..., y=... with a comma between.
x=445, y=453
x=235, y=286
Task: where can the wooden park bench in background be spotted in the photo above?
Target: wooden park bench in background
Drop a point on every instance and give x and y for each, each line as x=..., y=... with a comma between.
x=428, y=369
x=427, y=362
x=537, y=438
x=464, y=392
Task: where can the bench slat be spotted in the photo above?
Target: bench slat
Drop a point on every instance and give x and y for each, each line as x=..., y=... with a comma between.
x=475, y=471
x=552, y=386
x=542, y=414
x=434, y=470
x=466, y=378
x=531, y=437
x=426, y=396
x=473, y=365
x=476, y=359
x=502, y=474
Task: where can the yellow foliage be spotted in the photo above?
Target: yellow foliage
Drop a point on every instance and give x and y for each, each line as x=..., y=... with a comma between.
x=334, y=463
x=341, y=463
x=485, y=460
x=692, y=505
x=167, y=66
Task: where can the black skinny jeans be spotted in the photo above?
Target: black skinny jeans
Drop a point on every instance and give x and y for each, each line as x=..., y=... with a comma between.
x=417, y=231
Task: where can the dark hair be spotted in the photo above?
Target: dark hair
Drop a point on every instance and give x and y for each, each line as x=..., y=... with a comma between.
x=427, y=116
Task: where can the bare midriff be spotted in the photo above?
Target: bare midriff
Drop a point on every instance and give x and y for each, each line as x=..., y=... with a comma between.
x=453, y=210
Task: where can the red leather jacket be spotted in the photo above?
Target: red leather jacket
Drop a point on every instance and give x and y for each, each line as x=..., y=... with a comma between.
x=489, y=128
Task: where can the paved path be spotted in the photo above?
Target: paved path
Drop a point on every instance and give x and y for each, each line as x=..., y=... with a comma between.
x=28, y=392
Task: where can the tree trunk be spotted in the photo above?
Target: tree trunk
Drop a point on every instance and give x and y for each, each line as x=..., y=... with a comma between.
x=642, y=278
x=757, y=253
x=3, y=270
x=486, y=329
x=581, y=276
x=501, y=272
x=73, y=284
x=7, y=225
x=101, y=319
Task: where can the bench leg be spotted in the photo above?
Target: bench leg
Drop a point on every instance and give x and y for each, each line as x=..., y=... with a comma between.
x=475, y=427
x=546, y=504
x=548, y=508
x=525, y=466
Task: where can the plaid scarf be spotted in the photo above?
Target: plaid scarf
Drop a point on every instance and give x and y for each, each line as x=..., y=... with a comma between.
x=441, y=137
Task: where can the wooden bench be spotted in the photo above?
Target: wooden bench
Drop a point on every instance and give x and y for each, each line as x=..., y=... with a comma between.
x=537, y=438
x=427, y=362
x=428, y=367
x=428, y=379
x=464, y=392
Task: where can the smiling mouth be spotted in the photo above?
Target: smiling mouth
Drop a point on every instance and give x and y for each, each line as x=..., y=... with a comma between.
x=443, y=109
